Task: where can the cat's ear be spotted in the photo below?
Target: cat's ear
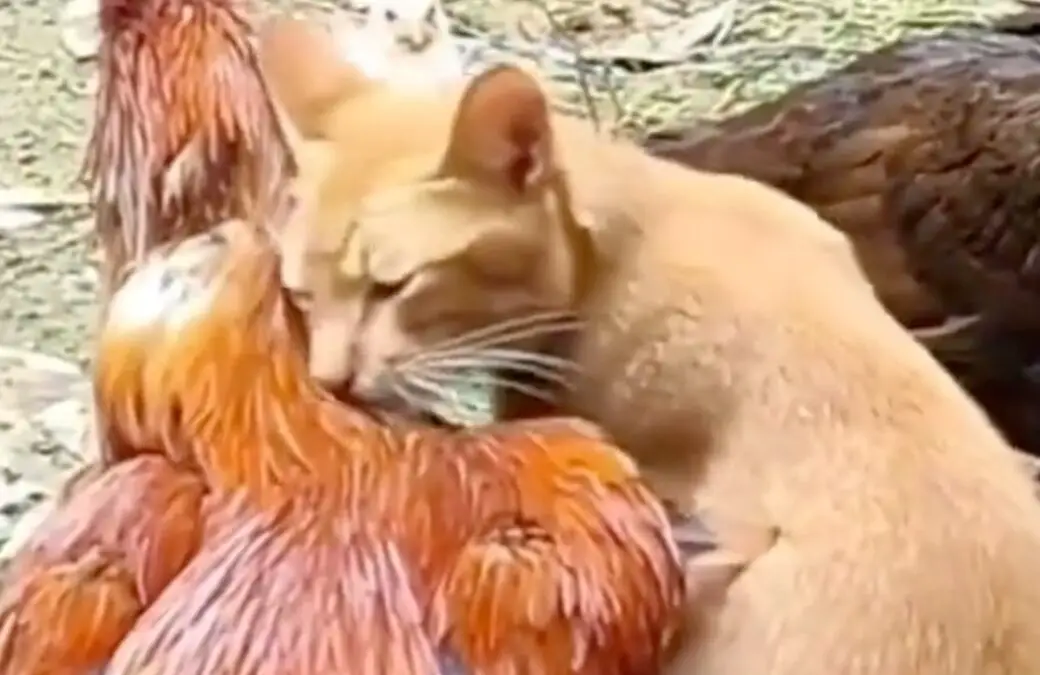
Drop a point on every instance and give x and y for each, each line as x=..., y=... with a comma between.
x=305, y=74
x=502, y=130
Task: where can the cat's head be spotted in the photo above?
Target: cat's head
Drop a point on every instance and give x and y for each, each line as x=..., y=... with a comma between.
x=420, y=216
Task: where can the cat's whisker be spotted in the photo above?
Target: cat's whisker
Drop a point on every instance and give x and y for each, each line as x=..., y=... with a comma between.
x=511, y=331
x=521, y=335
x=423, y=395
x=545, y=395
x=493, y=357
x=420, y=393
x=476, y=362
x=508, y=356
x=547, y=367
x=536, y=318
x=451, y=380
x=418, y=399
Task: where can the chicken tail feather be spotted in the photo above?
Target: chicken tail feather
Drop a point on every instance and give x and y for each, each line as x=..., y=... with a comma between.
x=582, y=578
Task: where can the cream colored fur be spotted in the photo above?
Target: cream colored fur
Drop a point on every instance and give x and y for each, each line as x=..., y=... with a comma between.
x=731, y=344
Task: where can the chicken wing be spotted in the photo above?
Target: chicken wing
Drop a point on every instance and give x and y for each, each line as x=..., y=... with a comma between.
x=97, y=561
x=297, y=588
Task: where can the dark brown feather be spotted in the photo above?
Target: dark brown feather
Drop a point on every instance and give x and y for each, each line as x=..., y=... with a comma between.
x=184, y=132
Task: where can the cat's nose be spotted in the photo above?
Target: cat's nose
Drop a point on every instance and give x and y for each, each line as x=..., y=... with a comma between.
x=330, y=365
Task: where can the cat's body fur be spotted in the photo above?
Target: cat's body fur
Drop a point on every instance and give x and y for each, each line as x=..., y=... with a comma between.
x=731, y=344
x=902, y=519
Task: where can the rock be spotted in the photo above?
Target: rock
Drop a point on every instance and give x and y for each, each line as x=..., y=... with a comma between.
x=24, y=507
x=43, y=412
x=80, y=36
x=14, y=219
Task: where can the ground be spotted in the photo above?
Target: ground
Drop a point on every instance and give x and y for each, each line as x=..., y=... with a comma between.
x=702, y=58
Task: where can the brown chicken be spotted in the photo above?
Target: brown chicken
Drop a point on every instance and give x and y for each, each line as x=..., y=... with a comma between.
x=334, y=542
x=184, y=133
x=924, y=153
x=104, y=555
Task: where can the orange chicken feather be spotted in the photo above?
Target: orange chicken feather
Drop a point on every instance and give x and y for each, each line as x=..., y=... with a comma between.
x=295, y=589
x=531, y=547
x=104, y=555
x=184, y=133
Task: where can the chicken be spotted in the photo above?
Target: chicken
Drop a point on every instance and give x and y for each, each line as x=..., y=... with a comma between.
x=184, y=132
x=924, y=154
x=327, y=540
x=97, y=562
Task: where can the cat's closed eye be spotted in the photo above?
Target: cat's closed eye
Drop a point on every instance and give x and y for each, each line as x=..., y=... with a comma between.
x=302, y=298
x=384, y=291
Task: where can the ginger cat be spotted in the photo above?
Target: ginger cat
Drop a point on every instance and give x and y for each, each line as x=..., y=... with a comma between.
x=727, y=339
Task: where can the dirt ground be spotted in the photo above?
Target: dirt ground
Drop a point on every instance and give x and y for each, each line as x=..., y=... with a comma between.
x=702, y=58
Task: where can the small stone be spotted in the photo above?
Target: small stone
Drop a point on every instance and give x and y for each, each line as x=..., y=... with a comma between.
x=12, y=509
x=16, y=219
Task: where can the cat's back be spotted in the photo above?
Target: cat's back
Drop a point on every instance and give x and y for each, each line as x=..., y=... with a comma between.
x=737, y=352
